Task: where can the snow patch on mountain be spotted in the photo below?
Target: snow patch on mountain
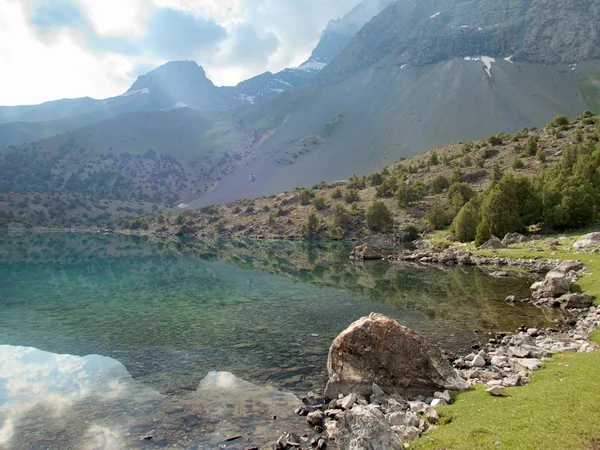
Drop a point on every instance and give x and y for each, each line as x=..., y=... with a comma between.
x=486, y=60
x=312, y=66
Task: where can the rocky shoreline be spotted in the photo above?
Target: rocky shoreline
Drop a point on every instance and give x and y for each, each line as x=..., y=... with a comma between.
x=384, y=419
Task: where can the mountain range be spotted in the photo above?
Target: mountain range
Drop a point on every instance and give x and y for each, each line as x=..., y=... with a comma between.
x=388, y=80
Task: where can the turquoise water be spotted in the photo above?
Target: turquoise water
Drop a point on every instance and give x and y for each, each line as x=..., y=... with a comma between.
x=119, y=337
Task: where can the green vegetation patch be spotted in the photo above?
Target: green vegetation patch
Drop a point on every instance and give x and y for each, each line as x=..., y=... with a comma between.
x=558, y=410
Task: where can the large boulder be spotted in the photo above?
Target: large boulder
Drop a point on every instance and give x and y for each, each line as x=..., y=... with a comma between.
x=365, y=427
x=587, y=241
x=377, y=349
x=493, y=244
x=364, y=253
x=514, y=238
x=568, y=265
x=554, y=285
x=576, y=301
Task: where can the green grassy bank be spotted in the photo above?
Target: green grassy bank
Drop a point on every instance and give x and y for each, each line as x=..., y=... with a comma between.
x=559, y=409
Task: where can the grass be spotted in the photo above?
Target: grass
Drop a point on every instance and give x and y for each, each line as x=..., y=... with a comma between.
x=559, y=409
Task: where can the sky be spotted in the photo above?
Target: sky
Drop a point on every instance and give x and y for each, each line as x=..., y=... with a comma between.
x=51, y=49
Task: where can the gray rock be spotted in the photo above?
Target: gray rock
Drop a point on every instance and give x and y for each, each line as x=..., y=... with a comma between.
x=499, y=361
x=365, y=427
x=496, y=391
x=527, y=364
x=576, y=301
x=438, y=402
x=377, y=349
x=514, y=238
x=554, y=285
x=519, y=352
x=568, y=266
x=407, y=433
x=396, y=418
x=478, y=361
x=348, y=401
x=587, y=241
x=493, y=244
x=443, y=396
x=315, y=418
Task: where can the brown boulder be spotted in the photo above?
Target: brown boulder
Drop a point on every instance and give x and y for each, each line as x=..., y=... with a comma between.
x=377, y=349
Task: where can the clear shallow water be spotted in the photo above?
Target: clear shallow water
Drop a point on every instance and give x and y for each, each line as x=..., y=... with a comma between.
x=183, y=328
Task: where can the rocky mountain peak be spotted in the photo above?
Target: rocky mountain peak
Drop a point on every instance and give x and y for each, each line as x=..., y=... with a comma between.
x=420, y=32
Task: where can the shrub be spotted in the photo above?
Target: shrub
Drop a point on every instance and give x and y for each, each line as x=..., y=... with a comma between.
x=341, y=223
x=376, y=179
x=337, y=193
x=409, y=193
x=518, y=164
x=351, y=196
x=388, y=188
x=559, y=121
x=495, y=140
x=438, y=184
x=211, y=209
x=305, y=197
x=410, y=233
x=438, y=217
x=311, y=228
x=532, y=146
x=483, y=233
x=464, y=226
x=320, y=203
x=379, y=218
x=433, y=159
x=236, y=210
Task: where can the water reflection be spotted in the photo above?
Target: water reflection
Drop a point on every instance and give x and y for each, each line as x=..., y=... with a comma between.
x=65, y=401
x=172, y=311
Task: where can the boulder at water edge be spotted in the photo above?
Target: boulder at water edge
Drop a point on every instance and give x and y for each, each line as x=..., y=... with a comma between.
x=377, y=349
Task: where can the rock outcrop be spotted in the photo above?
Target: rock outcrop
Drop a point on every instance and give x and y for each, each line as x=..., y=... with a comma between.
x=514, y=238
x=591, y=240
x=377, y=349
x=493, y=244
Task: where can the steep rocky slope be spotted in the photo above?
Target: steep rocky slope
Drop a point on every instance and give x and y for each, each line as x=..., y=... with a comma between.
x=420, y=32
x=475, y=163
x=386, y=112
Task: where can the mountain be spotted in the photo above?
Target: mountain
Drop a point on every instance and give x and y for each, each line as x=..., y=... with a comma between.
x=420, y=32
x=422, y=74
x=340, y=32
x=181, y=84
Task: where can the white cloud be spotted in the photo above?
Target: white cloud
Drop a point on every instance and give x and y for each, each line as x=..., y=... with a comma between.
x=97, y=50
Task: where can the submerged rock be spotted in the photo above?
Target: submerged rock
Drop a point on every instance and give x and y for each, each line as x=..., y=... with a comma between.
x=377, y=349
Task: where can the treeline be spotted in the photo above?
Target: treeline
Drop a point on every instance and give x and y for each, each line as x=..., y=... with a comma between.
x=566, y=196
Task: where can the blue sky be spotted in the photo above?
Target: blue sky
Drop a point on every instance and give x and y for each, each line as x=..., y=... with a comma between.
x=73, y=48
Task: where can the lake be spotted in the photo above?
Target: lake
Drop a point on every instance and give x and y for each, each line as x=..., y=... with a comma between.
x=136, y=342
